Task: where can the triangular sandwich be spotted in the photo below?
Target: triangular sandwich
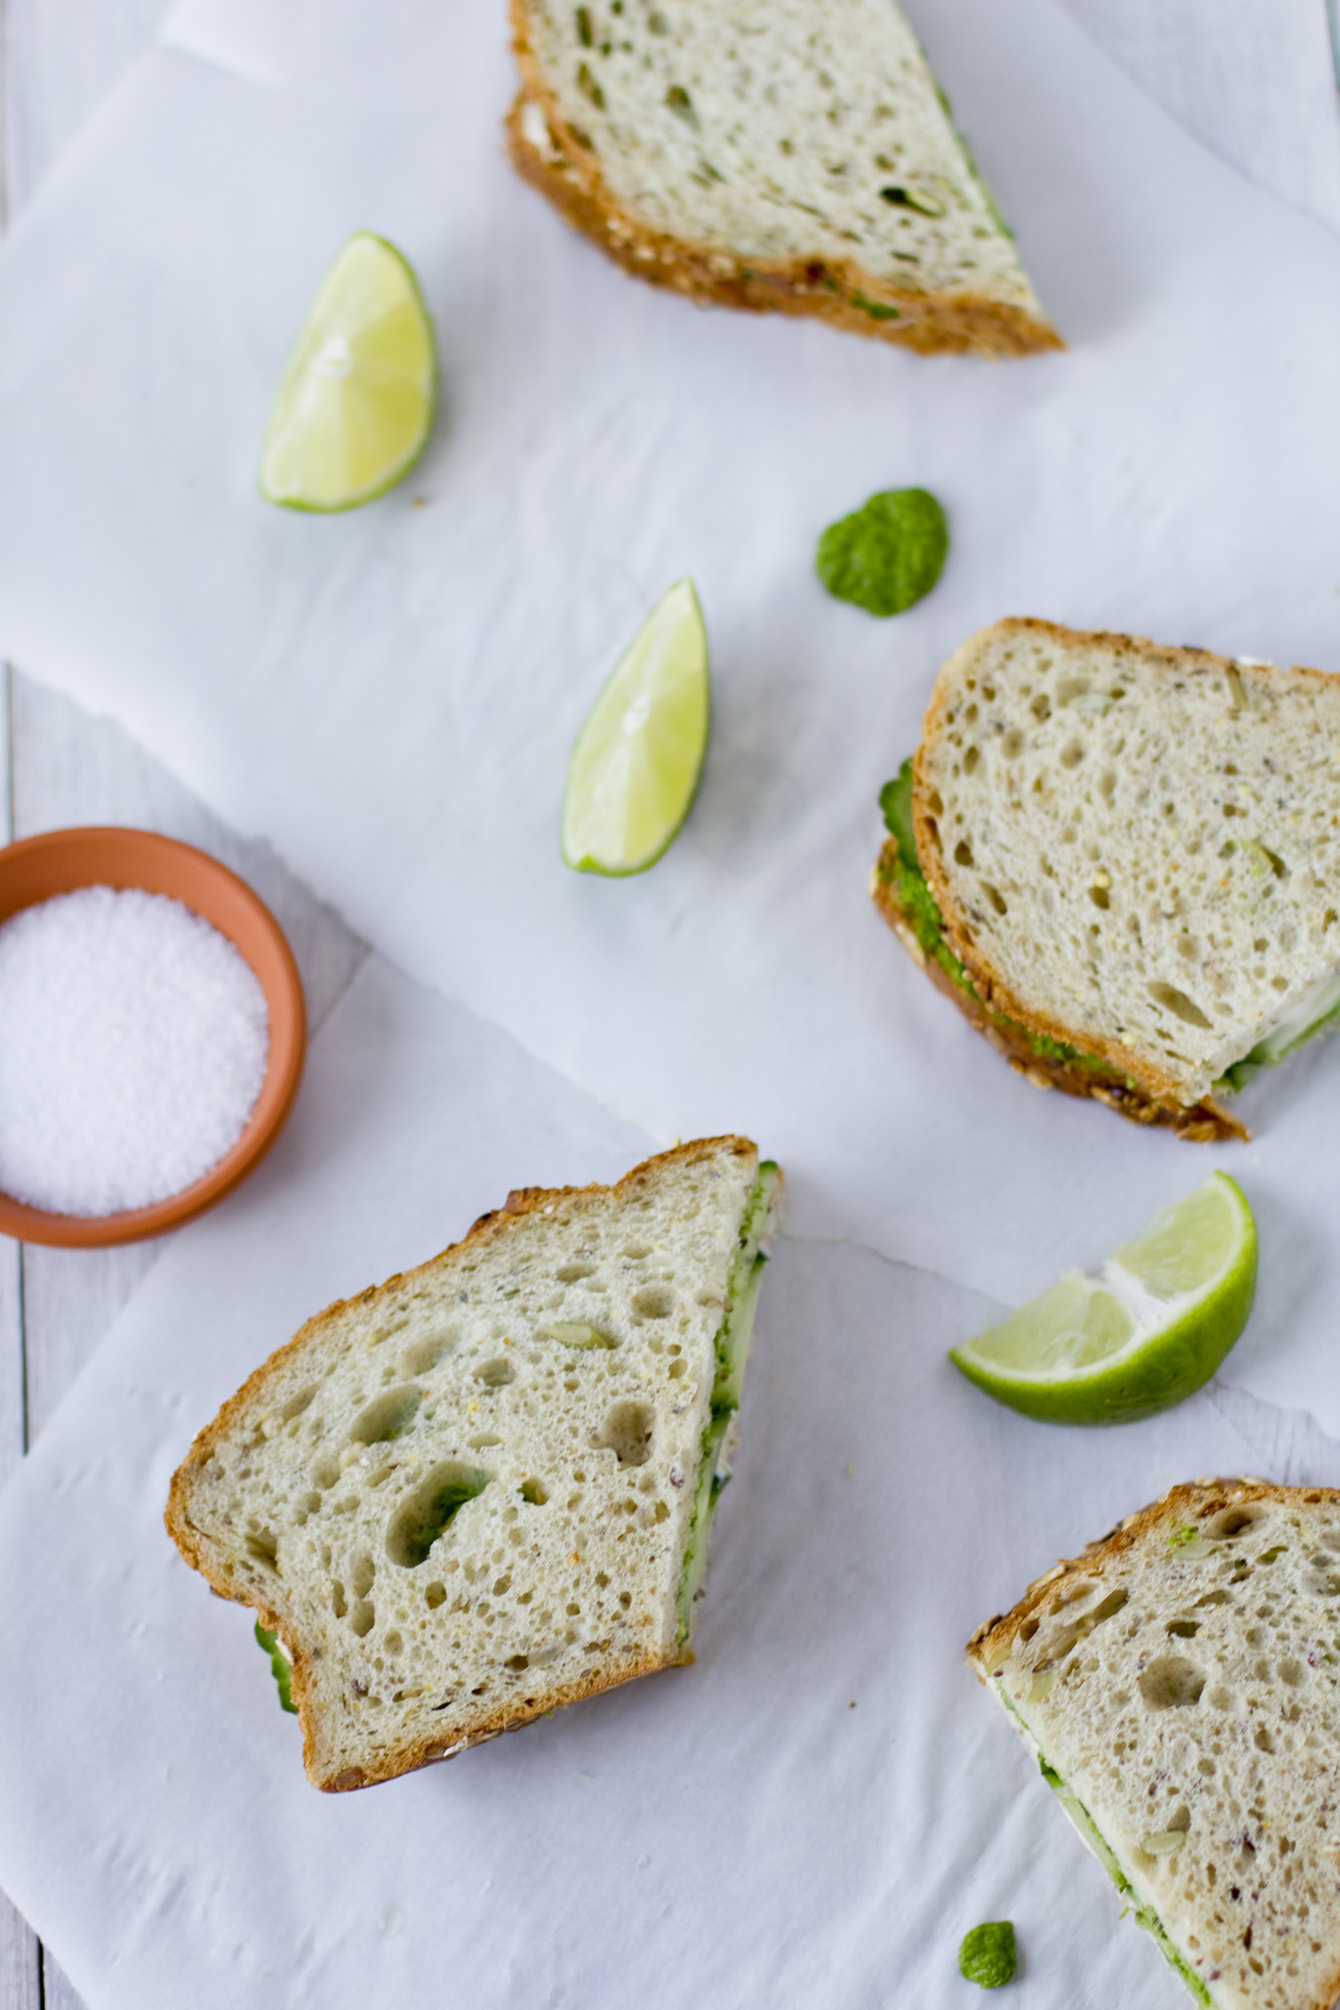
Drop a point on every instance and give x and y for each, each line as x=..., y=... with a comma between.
x=798, y=157
x=484, y=1488
x=1177, y=1684
x=1122, y=862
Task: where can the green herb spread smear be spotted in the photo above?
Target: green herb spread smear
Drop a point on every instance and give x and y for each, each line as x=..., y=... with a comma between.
x=888, y=554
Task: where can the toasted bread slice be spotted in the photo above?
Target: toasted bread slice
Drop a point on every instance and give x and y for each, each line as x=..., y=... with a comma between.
x=797, y=157
x=483, y=1489
x=1177, y=1684
x=1131, y=854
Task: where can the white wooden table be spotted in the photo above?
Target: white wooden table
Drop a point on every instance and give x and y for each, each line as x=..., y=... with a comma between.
x=59, y=766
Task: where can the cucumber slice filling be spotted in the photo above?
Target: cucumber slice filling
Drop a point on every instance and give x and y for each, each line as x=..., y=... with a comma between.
x=732, y=1354
x=280, y=1667
x=1313, y=1016
x=1087, y=1828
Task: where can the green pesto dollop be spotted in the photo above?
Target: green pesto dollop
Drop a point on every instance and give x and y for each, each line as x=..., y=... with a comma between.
x=886, y=555
x=987, y=1956
x=279, y=1666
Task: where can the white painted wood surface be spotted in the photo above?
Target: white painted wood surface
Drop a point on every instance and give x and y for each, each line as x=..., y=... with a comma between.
x=59, y=766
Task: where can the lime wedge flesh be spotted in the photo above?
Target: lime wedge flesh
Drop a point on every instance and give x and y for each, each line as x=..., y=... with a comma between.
x=1143, y=1335
x=356, y=405
x=635, y=769
x=1188, y=1246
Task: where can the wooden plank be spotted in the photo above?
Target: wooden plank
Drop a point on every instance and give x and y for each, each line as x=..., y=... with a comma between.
x=20, y=1956
x=20, y=1962
x=13, y=1418
x=70, y=1299
x=13, y=1421
x=6, y=757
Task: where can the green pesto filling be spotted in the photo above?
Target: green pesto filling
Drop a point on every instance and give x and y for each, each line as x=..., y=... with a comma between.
x=279, y=1666
x=1084, y=1823
x=732, y=1353
x=919, y=905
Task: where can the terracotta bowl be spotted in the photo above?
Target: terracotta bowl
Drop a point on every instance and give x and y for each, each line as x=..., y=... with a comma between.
x=61, y=861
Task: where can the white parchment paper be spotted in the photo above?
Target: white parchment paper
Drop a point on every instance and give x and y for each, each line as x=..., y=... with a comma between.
x=1255, y=82
x=391, y=696
x=815, y=1812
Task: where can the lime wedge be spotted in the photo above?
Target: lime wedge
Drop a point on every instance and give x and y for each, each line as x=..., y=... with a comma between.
x=1148, y=1330
x=356, y=404
x=634, y=771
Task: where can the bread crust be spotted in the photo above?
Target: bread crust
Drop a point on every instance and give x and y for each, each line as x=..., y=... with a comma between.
x=1194, y=1500
x=1159, y=1087
x=491, y=1723
x=930, y=323
x=1204, y=1123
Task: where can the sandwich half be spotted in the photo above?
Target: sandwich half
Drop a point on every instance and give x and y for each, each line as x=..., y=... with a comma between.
x=796, y=155
x=484, y=1488
x=1177, y=1685
x=1122, y=862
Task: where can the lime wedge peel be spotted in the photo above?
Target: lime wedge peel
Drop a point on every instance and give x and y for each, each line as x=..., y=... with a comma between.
x=1142, y=1335
x=639, y=758
x=356, y=405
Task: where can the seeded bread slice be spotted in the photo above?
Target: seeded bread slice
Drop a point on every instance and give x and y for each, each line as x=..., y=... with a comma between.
x=786, y=155
x=482, y=1489
x=1039, y=1061
x=1178, y=1683
x=1135, y=849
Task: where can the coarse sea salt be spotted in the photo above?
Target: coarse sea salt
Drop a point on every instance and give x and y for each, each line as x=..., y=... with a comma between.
x=133, y=1043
